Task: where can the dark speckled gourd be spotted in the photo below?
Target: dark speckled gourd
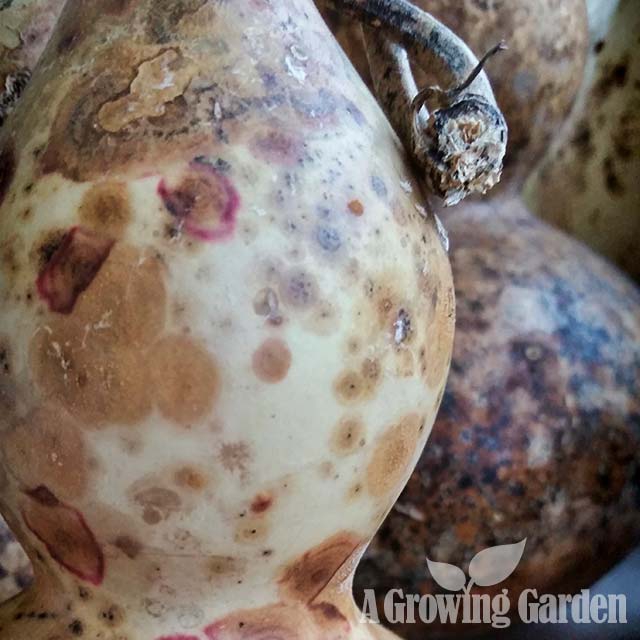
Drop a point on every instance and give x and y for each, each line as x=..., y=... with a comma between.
x=225, y=323
x=539, y=433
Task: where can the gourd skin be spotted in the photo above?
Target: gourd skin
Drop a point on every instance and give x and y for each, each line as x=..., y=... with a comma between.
x=227, y=325
x=587, y=183
x=549, y=57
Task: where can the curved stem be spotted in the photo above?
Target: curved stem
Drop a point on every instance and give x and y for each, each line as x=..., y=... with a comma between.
x=460, y=147
x=427, y=41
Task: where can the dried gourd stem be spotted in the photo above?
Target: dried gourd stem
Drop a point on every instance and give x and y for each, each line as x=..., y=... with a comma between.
x=460, y=146
x=428, y=42
x=449, y=95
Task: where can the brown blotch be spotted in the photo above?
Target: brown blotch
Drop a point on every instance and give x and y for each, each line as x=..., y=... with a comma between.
x=392, y=456
x=352, y=387
x=190, y=478
x=349, y=387
x=97, y=381
x=47, y=446
x=356, y=207
x=82, y=150
x=65, y=534
x=7, y=170
x=128, y=545
x=186, y=380
x=305, y=578
x=149, y=91
x=157, y=504
x=105, y=208
x=348, y=436
x=261, y=503
x=72, y=268
x=272, y=361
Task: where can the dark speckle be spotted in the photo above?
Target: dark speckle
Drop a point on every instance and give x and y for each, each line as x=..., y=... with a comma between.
x=76, y=628
x=612, y=182
x=7, y=171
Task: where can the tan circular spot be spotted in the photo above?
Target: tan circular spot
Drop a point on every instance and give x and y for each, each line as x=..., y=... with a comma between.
x=105, y=207
x=349, y=387
x=392, y=456
x=186, y=379
x=272, y=360
x=190, y=478
x=251, y=530
x=348, y=436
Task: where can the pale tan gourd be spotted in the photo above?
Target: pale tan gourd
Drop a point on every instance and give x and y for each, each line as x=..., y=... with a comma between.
x=225, y=323
x=587, y=183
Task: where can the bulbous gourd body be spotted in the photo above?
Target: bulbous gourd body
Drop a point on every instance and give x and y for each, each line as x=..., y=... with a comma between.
x=535, y=79
x=587, y=183
x=226, y=324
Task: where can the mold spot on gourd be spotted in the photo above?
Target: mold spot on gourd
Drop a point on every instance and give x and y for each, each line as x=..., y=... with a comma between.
x=235, y=456
x=204, y=204
x=92, y=361
x=356, y=208
x=271, y=361
x=159, y=81
x=72, y=268
x=278, y=147
x=7, y=170
x=190, y=478
x=65, y=534
x=392, y=456
x=111, y=616
x=166, y=16
x=352, y=387
x=47, y=446
x=128, y=545
x=251, y=530
x=307, y=576
x=105, y=208
x=157, y=504
x=186, y=380
x=261, y=503
x=348, y=436
x=299, y=289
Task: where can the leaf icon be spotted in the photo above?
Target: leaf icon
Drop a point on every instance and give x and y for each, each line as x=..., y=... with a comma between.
x=447, y=575
x=495, y=564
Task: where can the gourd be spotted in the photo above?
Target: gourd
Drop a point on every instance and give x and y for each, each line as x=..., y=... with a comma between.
x=225, y=322
x=537, y=436
x=587, y=183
